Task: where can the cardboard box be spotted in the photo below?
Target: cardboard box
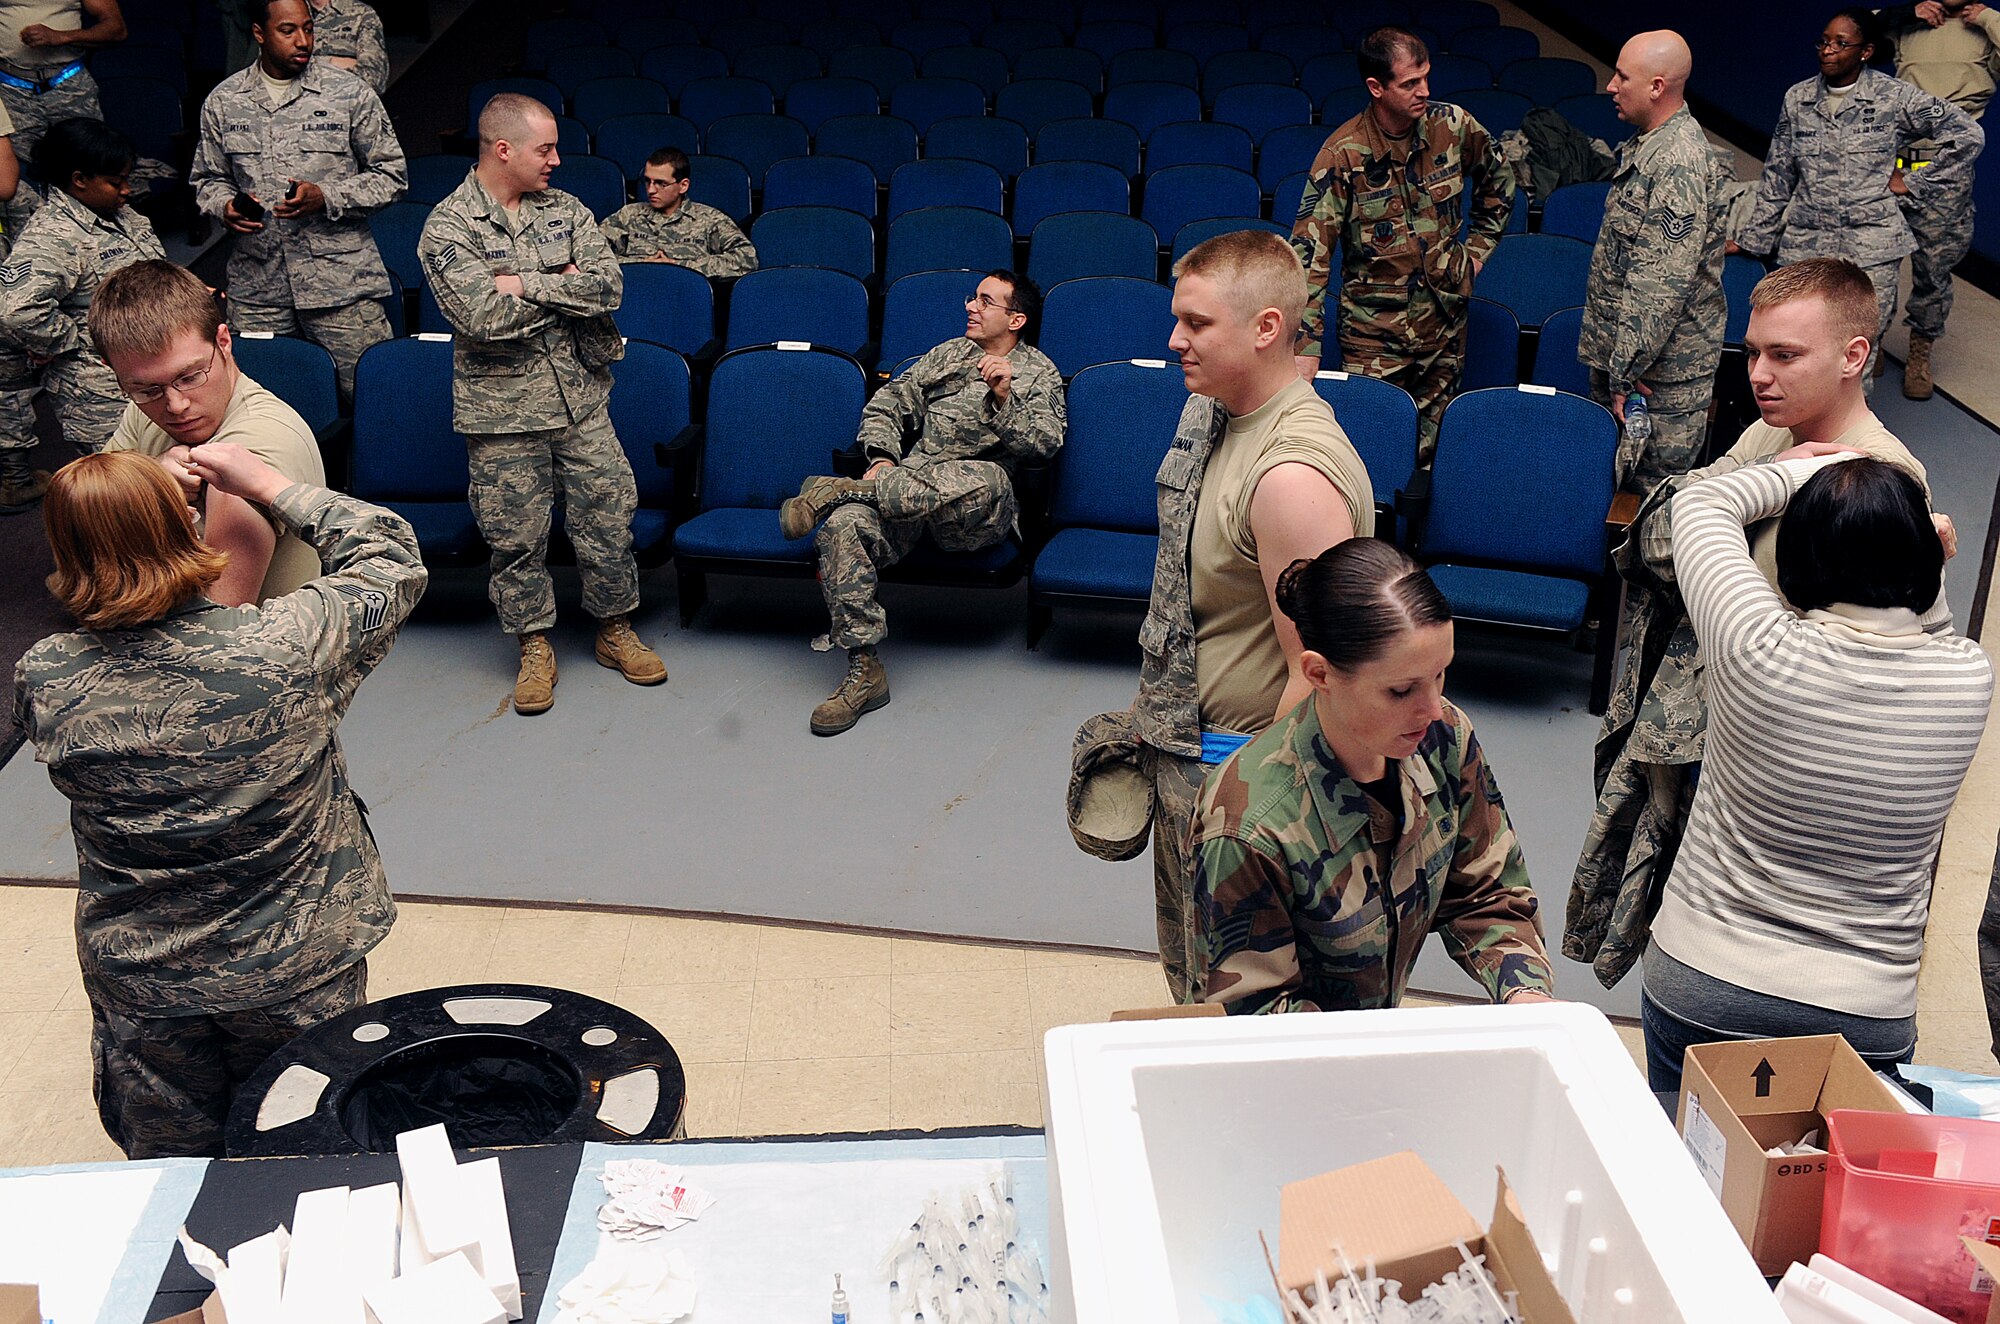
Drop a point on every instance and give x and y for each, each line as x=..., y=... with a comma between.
x=1987, y=1257
x=1396, y=1212
x=20, y=1303
x=1741, y=1098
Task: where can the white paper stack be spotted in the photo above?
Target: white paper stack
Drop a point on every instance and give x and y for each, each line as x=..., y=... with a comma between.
x=437, y=1250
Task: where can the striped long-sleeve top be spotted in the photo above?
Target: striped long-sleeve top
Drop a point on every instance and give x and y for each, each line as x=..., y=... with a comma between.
x=1836, y=745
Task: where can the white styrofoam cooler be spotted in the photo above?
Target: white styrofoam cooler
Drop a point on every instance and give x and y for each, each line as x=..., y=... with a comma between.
x=1168, y=1141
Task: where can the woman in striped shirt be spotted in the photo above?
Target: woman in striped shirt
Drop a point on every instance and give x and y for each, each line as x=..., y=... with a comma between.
x=1837, y=740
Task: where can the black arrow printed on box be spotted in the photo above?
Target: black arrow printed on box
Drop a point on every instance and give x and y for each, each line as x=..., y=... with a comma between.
x=1762, y=1075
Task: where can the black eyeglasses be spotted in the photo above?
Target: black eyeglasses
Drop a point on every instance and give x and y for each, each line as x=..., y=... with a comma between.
x=1835, y=44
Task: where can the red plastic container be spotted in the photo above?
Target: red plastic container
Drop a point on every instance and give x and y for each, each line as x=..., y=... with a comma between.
x=1901, y=1189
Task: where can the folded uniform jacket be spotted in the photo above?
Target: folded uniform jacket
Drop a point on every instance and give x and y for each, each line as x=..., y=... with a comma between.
x=1110, y=787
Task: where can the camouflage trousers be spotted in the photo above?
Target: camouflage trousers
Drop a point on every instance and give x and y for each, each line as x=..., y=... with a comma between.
x=1943, y=229
x=73, y=98
x=1679, y=415
x=515, y=477
x=1430, y=376
x=345, y=332
x=164, y=1083
x=964, y=505
x=1989, y=954
x=87, y=401
x=1176, y=789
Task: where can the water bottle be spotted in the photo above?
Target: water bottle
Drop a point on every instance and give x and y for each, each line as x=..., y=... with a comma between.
x=1638, y=423
x=839, y=1302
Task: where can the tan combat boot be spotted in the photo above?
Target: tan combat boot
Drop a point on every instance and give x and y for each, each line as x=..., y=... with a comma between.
x=1917, y=384
x=21, y=486
x=621, y=649
x=535, y=686
x=865, y=689
x=799, y=514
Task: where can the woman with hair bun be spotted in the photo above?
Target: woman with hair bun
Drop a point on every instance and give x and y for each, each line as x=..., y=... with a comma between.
x=1329, y=847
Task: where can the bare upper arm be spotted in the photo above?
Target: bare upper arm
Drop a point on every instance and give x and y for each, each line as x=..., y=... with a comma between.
x=235, y=526
x=1296, y=513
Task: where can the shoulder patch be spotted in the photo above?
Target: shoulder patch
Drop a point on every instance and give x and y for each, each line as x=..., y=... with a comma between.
x=443, y=257
x=1932, y=113
x=13, y=273
x=374, y=604
x=1676, y=225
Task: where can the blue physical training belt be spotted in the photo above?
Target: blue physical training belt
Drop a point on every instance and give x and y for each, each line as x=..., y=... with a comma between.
x=49, y=84
x=1219, y=745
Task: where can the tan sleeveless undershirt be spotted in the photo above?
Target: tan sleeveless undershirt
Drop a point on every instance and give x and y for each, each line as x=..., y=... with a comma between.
x=1239, y=664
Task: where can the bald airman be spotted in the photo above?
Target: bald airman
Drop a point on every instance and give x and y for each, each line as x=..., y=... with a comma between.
x=1653, y=310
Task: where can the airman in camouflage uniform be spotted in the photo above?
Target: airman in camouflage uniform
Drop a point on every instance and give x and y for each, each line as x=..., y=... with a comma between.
x=666, y=227
x=310, y=266
x=530, y=290
x=42, y=82
x=229, y=889
x=1654, y=728
x=1295, y=911
x=1392, y=206
x=968, y=411
x=1951, y=50
x=1830, y=180
x=1653, y=308
x=45, y=289
x=348, y=35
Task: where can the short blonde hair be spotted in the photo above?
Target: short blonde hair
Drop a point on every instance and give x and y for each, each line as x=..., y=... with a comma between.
x=124, y=547
x=506, y=117
x=1256, y=270
x=1849, y=294
x=143, y=308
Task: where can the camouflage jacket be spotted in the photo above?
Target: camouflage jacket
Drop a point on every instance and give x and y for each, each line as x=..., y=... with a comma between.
x=1656, y=725
x=1295, y=914
x=61, y=256
x=1653, y=307
x=1396, y=227
x=352, y=30
x=1169, y=703
x=537, y=362
x=943, y=404
x=334, y=133
x=223, y=860
x=1825, y=190
x=695, y=236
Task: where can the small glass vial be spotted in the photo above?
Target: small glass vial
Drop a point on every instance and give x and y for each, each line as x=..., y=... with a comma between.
x=839, y=1302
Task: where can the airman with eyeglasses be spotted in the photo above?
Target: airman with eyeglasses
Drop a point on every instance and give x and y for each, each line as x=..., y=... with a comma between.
x=161, y=331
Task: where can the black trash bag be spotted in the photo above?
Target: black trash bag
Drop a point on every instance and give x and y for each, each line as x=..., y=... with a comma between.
x=486, y=1089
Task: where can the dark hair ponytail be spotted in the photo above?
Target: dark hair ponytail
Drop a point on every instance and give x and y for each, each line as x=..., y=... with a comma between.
x=1353, y=599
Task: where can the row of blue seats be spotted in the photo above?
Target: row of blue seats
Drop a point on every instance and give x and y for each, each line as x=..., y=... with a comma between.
x=699, y=94
x=828, y=26
x=1511, y=516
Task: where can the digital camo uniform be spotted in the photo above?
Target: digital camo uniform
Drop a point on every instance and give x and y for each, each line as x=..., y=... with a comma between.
x=956, y=482
x=530, y=389
x=1653, y=309
x=1825, y=190
x=228, y=886
x=40, y=85
x=1654, y=727
x=1295, y=911
x=1959, y=62
x=46, y=285
x=695, y=236
x=352, y=30
x=319, y=275
x=1405, y=276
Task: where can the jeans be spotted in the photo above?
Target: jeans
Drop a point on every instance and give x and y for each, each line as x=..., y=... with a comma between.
x=1693, y=1008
